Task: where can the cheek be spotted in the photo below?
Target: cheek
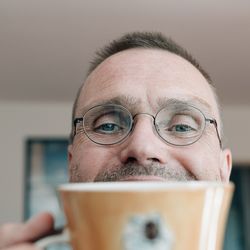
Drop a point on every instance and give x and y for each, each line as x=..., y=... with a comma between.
x=91, y=159
x=201, y=159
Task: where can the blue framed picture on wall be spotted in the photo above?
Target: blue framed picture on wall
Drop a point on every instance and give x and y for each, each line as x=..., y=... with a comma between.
x=46, y=168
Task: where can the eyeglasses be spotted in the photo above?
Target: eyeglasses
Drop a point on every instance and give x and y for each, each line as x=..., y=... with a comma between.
x=178, y=125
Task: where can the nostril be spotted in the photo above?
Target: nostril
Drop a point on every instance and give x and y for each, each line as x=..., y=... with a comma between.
x=151, y=230
x=155, y=160
x=131, y=160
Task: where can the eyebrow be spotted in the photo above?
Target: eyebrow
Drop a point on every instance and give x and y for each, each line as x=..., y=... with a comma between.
x=129, y=102
x=191, y=101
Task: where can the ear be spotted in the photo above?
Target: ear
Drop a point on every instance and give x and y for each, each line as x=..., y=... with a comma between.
x=226, y=164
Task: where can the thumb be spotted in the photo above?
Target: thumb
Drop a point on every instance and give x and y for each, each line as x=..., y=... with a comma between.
x=37, y=226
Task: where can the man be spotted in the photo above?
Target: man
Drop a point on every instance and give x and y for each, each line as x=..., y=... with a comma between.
x=146, y=111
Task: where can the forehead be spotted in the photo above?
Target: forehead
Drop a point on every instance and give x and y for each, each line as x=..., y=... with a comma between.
x=146, y=76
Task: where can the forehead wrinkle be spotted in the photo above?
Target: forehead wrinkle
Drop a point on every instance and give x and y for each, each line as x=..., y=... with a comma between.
x=129, y=102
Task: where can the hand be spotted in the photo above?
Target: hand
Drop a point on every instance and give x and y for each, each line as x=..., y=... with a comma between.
x=18, y=236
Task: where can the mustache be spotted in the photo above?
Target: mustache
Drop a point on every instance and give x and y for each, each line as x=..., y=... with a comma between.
x=169, y=173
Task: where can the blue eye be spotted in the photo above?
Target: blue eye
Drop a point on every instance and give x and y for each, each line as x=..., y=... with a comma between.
x=181, y=128
x=108, y=128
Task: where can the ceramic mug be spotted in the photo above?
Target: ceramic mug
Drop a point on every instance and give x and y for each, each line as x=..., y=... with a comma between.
x=144, y=215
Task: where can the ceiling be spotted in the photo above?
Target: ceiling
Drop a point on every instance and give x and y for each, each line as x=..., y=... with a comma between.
x=46, y=45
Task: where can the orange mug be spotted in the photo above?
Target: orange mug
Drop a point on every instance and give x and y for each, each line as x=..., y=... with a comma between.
x=144, y=215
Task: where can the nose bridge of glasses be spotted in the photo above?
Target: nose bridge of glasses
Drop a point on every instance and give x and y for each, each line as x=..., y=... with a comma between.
x=141, y=114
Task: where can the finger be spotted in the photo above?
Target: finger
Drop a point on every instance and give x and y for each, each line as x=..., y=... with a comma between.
x=38, y=225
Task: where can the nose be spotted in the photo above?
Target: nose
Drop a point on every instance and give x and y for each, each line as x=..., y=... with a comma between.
x=144, y=146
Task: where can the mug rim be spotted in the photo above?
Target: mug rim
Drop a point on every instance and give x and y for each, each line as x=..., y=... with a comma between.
x=128, y=186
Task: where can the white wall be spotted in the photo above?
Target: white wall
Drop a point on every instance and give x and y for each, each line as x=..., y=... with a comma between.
x=237, y=130
x=21, y=120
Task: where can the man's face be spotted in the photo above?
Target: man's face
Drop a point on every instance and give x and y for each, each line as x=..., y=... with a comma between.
x=142, y=80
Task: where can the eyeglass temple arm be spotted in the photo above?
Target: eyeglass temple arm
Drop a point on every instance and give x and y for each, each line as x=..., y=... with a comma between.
x=214, y=122
x=76, y=121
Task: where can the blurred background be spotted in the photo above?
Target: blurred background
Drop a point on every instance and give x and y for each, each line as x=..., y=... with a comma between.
x=45, y=49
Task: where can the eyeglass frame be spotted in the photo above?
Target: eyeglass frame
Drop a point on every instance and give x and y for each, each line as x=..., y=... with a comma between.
x=78, y=120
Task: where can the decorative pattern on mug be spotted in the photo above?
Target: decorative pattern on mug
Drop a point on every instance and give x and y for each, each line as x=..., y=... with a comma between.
x=147, y=232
